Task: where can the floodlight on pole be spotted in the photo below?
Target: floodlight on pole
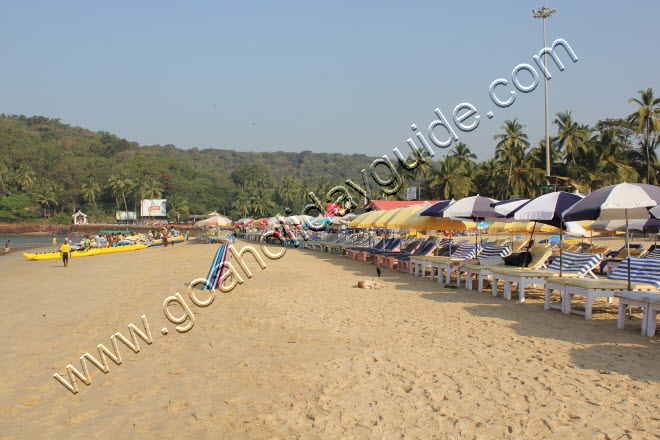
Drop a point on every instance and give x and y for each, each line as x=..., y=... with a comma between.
x=545, y=13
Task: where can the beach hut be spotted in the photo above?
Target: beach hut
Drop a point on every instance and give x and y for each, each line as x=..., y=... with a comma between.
x=79, y=218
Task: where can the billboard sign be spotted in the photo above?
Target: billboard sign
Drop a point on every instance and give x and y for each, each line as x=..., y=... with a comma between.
x=125, y=215
x=153, y=208
x=411, y=193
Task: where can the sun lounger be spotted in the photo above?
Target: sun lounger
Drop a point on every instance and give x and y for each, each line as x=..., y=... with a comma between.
x=405, y=249
x=613, y=263
x=354, y=252
x=649, y=302
x=402, y=261
x=644, y=275
x=574, y=265
x=465, y=251
x=482, y=271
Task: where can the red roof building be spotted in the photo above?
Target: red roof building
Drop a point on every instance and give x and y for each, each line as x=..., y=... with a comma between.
x=380, y=205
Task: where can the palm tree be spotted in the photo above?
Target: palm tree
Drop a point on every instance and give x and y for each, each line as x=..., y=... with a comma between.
x=120, y=184
x=489, y=178
x=450, y=179
x=261, y=202
x=602, y=163
x=25, y=177
x=462, y=153
x=45, y=196
x=647, y=118
x=90, y=190
x=525, y=178
x=512, y=145
x=571, y=136
x=242, y=204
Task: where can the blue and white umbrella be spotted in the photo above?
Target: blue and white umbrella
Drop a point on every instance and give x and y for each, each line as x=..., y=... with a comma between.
x=624, y=201
x=547, y=209
x=436, y=209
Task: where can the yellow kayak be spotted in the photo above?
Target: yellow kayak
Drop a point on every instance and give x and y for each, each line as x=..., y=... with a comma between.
x=54, y=255
x=122, y=248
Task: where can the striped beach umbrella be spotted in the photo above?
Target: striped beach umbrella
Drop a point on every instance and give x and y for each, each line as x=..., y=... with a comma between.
x=624, y=201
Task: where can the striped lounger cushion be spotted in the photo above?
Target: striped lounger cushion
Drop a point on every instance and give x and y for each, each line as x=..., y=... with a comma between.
x=466, y=251
x=654, y=253
x=576, y=262
x=642, y=270
x=495, y=251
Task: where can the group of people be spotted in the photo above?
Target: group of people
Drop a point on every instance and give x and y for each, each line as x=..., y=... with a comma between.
x=167, y=235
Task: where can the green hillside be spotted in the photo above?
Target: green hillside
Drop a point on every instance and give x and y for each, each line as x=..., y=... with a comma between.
x=53, y=168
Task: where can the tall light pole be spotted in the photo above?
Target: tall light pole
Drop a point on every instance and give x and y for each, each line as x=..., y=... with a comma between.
x=545, y=13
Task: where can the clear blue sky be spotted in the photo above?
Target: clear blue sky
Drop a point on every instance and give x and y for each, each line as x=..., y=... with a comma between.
x=339, y=76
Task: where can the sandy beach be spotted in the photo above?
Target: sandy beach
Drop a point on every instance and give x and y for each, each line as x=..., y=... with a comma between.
x=298, y=352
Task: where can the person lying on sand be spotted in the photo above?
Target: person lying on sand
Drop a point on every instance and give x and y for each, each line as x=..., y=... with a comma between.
x=370, y=284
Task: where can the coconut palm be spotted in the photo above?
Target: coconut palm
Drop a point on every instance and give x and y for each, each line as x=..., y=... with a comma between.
x=462, y=153
x=120, y=184
x=647, y=120
x=261, y=202
x=242, y=204
x=4, y=174
x=450, y=180
x=571, y=136
x=512, y=145
x=525, y=178
x=25, y=177
x=488, y=178
x=603, y=163
x=45, y=196
x=90, y=191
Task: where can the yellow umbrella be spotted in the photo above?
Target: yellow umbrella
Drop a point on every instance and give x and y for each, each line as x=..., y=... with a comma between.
x=368, y=221
x=497, y=226
x=436, y=224
x=357, y=220
x=383, y=219
x=398, y=219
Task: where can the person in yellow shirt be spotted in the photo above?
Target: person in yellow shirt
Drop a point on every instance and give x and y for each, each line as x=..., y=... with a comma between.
x=54, y=243
x=66, y=250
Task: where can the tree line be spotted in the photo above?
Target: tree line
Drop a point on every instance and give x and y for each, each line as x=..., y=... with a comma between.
x=49, y=170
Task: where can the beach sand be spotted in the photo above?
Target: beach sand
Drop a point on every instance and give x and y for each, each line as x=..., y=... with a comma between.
x=298, y=352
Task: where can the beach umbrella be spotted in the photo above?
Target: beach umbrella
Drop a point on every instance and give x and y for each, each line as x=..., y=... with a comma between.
x=381, y=221
x=436, y=224
x=397, y=220
x=473, y=208
x=504, y=207
x=216, y=220
x=547, y=209
x=369, y=220
x=436, y=209
x=625, y=201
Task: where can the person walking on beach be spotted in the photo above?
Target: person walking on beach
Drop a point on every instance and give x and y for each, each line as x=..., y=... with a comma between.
x=7, y=249
x=164, y=237
x=65, y=249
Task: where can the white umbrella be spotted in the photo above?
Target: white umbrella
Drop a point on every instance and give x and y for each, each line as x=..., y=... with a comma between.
x=623, y=201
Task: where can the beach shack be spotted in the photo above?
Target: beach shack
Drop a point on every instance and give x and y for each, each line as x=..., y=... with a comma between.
x=79, y=218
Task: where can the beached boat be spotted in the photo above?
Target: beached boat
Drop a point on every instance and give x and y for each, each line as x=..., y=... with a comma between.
x=122, y=248
x=159, y=242
x=86, y=253
x=55, y=255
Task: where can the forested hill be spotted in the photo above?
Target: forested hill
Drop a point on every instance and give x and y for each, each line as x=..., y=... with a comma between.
x=60, y=168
